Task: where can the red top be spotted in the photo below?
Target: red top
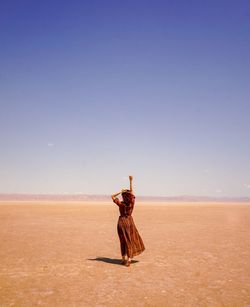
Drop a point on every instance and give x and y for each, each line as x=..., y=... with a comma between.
x=125, y=209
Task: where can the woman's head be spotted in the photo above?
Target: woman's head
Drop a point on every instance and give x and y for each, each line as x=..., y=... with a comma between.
x=127, y=196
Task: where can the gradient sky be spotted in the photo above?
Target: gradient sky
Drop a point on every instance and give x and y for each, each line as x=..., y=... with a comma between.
x=92, y=91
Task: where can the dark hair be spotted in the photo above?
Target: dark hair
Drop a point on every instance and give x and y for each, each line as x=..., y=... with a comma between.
x=128, y=197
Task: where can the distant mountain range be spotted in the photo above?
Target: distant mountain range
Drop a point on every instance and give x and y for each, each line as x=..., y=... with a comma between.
x=86, y=197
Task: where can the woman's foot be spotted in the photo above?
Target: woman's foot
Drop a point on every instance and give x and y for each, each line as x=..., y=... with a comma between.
x=123, y=260
x=128, y=262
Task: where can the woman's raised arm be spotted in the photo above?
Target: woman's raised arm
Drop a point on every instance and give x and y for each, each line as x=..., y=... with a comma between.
x=131, y=185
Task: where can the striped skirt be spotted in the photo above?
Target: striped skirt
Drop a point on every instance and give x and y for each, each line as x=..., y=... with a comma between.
x=130, y=240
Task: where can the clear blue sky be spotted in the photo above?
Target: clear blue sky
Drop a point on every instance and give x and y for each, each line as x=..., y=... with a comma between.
x=92, y=91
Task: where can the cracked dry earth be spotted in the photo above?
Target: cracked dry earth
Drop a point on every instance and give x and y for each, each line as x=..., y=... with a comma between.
x=67, y=254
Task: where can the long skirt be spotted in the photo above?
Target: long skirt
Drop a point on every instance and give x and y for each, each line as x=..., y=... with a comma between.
x=130, y=240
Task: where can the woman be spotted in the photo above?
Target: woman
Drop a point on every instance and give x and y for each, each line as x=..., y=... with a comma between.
x=130, y=240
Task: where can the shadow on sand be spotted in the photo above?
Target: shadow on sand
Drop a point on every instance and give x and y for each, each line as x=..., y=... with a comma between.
x=111, y=260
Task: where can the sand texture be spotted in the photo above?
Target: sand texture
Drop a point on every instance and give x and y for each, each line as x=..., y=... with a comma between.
x=67, y=254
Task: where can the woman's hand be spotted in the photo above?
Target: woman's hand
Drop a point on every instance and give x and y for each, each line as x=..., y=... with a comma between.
x=130, y=178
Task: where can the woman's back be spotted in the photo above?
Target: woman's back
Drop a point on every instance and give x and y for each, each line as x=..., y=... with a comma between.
x=126, y=209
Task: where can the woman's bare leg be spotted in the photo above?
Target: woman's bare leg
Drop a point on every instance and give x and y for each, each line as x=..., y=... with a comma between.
x=124, y=259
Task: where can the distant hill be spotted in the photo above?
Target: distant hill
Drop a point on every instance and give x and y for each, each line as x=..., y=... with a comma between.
x=86, y=197
x=55, y=197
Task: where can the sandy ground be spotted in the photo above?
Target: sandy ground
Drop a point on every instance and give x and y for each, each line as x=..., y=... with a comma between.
x=67, y=254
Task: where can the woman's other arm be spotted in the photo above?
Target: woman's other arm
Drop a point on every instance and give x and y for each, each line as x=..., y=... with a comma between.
x=116, y=200
x=113, y=196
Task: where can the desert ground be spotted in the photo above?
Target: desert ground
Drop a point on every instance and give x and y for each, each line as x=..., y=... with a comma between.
x=68, y=254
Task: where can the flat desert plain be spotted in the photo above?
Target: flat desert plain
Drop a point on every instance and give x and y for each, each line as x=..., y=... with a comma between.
x=68, y=254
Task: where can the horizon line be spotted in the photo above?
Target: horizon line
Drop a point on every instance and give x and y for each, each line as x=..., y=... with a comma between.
x=183, y=197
